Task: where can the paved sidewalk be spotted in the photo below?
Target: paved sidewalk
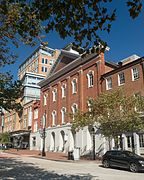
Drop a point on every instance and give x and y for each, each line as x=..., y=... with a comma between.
x=34, y=153
x=55, y=156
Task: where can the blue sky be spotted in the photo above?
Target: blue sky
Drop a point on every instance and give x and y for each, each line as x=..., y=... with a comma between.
x=126, y=38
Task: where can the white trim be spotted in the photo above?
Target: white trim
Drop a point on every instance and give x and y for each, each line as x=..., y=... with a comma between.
x=107, y=83
x=54, y=113
x=135, y=73
x=54, y=92
x=74, y=86
x=72, y=107
x=119, y=84
x=90, y=83
x=63, y=111
x=63, y=89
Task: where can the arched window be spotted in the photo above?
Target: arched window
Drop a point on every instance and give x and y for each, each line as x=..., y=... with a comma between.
x=63, y=88
x=74, y=86
x=54, y=118
x=90, y=77
x=54, y=92
x=74, y=108
x=44, y=100
x=63, y=113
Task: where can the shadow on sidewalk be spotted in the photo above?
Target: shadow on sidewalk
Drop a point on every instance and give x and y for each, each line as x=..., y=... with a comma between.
x=11, y=169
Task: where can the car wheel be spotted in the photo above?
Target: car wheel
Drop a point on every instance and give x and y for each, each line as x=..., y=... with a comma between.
x=133, y=167
x=106, y=164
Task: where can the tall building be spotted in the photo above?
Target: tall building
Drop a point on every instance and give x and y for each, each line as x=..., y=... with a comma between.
x=39, y=62
x=34, y=69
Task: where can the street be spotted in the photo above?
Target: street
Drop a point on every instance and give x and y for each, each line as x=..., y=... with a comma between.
x=16, y=167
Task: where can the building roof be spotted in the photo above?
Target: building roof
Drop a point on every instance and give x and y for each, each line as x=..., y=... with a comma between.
x=61, y=55
x=45, y=48
x=69, y=67
x=33, y=75
x=123, y=66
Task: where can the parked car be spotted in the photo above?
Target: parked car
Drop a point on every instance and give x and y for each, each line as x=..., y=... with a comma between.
x=123, y=159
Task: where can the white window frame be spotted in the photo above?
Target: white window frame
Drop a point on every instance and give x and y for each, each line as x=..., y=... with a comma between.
x=63, y=112
x=74, y=86
x=74, y=108
x=108, y=87
x=53, y=118
x=135, y=73
x=121, y=78
x=90, y=77
x=44, y=100
x=44, y=69
x=63, y=89
x=54, y=92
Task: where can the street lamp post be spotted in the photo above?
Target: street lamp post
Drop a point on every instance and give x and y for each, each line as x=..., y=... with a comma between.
x=93, y=135
x=43, y=136
x=92, y=132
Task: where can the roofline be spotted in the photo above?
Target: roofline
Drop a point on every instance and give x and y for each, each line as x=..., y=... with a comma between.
x=112, y=64
x=33, y=74
x=77, y=62
x=38, y=48
x=119, y=68
x=63, y=52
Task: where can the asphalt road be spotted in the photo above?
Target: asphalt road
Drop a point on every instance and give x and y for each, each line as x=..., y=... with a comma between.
x=14, y=167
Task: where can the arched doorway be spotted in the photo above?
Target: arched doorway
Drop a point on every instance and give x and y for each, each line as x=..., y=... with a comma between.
x=52, y=145
x=62, y=141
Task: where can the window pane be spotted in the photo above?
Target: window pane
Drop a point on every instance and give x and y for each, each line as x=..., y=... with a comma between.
x=46, y=61
x=42, y=60
x=121, y=78
x=135, y=73
x=109, y=83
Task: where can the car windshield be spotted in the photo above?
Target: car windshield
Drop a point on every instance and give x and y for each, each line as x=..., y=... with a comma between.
x=131, y=154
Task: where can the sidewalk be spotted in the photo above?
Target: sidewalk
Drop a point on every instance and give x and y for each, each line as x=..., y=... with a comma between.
x=55, y=156
x=33, y=153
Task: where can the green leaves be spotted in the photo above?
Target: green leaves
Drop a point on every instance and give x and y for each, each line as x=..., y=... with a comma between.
x=113, y=113
x=10, y=92
x=4, y=138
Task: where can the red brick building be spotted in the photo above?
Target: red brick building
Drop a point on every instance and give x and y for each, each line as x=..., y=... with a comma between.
x=68, y=87
x=129, y=75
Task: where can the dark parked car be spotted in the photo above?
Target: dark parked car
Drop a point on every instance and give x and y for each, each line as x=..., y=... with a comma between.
x=123, y=159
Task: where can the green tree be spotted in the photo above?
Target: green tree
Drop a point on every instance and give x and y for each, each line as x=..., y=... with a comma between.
x=113, y=113
x=4, y=138
x=25, y=21
x=10, y=92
